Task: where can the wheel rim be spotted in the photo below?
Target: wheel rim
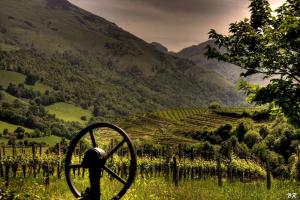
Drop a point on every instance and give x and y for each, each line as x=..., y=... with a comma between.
x=89, y=130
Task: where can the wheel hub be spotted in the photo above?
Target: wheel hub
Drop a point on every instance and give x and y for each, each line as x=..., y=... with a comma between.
x=94, y=158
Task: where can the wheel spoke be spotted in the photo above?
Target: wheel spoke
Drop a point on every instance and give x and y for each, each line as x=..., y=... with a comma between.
x=76, y=166
x=115, y=148
x=93, y=139
x=113, y=174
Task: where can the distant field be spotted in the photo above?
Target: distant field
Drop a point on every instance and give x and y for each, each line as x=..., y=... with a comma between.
x=178, y=114
x=11, y=127
x=68, y=112
x=9, y=98
x=10, y=77
x=40, y=87
x=17, y=78
x=49, y=140
x=8, y=47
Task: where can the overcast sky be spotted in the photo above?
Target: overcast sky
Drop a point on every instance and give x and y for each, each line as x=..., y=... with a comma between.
x=174, y=23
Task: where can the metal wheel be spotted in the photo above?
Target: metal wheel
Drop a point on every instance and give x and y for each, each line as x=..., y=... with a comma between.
x=95, y=160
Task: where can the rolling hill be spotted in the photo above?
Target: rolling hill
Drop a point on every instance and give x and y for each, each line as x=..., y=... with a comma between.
x=94, y=64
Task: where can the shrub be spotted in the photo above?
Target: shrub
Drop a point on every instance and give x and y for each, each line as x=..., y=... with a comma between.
x=263, y=131
x=224, y=131
x=242, y=151
x=31, y=79
x=251, y=138
x=208, y=151
x=5, y=132
x=83, y=118
x=214, y=105
x=240, y=131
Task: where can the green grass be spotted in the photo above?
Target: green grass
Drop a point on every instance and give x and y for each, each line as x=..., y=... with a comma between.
x=9, y=98
x=10, y=77
x=159, y=189
x=12, y=127
x=68, y=112
x=8, y=47
x=49, y=140
x=40, y=87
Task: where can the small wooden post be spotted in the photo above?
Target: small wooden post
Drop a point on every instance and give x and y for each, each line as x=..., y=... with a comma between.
x=269, y=184
x=219, y=171
x=41, y=150
x=13, y=150
x=175, y=171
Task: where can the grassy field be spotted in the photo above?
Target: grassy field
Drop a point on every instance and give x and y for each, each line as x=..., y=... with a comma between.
x=49, y=140
x=40, y=87
x=12, y=127
x=158, y=188
x=18, y=78
x=9, y=98
x=10, y=77
x=68, y=112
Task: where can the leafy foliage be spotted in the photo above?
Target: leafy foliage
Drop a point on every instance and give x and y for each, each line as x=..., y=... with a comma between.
x=268, y=45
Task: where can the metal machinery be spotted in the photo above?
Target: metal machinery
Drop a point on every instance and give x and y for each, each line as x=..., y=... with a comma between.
x=95, y=159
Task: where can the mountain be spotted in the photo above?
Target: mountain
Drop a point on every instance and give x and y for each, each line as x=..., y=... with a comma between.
x=229, y=71
x=91, y=62
x=160, y=47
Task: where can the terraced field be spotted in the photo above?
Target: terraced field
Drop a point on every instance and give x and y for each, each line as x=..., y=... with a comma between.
x=163, y=126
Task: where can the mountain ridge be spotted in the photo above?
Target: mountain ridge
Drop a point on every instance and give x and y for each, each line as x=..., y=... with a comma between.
x=96, y=64
x=230, y=72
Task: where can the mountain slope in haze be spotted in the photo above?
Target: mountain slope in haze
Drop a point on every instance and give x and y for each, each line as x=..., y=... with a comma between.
x=160, y=47
x=229, y=71
x=93, y=63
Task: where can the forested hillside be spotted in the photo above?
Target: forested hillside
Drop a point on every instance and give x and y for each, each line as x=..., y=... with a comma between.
x=94, y=64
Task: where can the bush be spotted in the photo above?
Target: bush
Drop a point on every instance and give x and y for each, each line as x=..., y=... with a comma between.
x=240, y=131
x=251, y=138
x=214, y=105
x=20, y=136
x=31, y=79
x=83, y=118
x=224, y=131
x=11, y=141
x=5, y=132
x=242, y=151
x=263, y=131
x=208, y=151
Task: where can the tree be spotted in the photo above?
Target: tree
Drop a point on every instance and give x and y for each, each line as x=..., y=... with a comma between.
x=270, y=45
x=240, y=131
x=31, y=79
x=5, y=132
x=20, y=132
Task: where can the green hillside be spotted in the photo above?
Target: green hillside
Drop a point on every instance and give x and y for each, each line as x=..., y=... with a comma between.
x=94, y=64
